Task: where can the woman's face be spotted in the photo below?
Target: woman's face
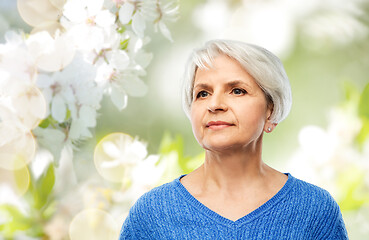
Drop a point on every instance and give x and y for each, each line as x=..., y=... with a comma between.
x=229, y=109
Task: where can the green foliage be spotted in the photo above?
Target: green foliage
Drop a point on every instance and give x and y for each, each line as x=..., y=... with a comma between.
x=42, y=187
x=363, y=110
x=39, y=200
x=121, y=29
x=51, y=121
x=364, y=103
x=47, y=121
x=171, y=152
x=364, y=132
x=21, y=177
x=352, y=183
x=186, y=163
x=124, y=44
x=16, y=221
x=351, y=92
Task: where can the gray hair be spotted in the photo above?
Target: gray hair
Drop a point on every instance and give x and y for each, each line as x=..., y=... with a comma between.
x=266, y=69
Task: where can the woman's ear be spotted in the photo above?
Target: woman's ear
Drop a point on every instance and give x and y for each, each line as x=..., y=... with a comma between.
x=269, y=111
x=269, y=126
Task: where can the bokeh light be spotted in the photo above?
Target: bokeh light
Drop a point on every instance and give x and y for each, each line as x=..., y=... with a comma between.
x=17, y=148
x=36, y=12
x=30, y=107
x=50, y=27
x=116, y=154
x=52, y=54
x=18, y=180
x=93, y=224
x=58, y=3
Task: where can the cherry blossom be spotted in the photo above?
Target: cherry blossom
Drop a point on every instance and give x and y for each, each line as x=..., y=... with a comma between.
x=52, y=81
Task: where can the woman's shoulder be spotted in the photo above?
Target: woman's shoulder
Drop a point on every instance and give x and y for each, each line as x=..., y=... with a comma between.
x=149, y=211
x=158, y=196
x=313, y=197
x=317, y=204
x=309, y=190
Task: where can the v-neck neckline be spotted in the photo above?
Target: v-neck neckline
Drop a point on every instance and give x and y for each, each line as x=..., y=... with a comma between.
x=248, y=217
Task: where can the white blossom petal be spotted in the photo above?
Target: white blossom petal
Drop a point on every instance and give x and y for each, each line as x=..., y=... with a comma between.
x=117, y=154
x=134, y=86
x=19, y=64
x=44, y=81
x=138, y=148
x=111, y=149
x=138, y=24
x=58, y=57
x=125, y=12
x=74, y=11
x=39, y=43
x=119, y=98
x=103, y=74
x=87, y=38
x=30, y=107
x=119, y=59
x=165, y=31
x=87, y=116
x=13, y=38
x=93, y=6
x=148, y=172
x=51, y=139
x=86, y=133
x=143, y=58
x=75, y=130
x=105, y=19
x=67, y=94
x=111, y=164
x=48, y=95
x=58, y=108
x=79, y=130
x=73, y=110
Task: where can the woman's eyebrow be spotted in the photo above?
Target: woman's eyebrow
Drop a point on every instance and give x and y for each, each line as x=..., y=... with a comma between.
x=235, y=83
x=229, y=84
x=202, y=86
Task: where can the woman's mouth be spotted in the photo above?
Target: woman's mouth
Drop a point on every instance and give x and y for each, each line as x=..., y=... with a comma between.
x=216, y=125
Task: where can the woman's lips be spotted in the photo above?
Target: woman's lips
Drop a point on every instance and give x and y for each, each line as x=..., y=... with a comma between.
x=215, y=125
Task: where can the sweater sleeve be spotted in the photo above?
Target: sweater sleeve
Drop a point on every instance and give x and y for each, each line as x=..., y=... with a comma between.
x=339, y=230
x=127, y=232
x=137, y=224
x=325, y=218
x=332, y=224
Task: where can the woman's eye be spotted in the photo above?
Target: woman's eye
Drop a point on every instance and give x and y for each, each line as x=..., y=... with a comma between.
x=202, y=94
x=238, y=91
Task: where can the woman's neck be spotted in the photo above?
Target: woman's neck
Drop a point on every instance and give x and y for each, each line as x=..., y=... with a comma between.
x=233, y=170
x=237, y=171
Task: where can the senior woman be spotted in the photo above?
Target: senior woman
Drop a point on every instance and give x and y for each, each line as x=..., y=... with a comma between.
x=233, y=93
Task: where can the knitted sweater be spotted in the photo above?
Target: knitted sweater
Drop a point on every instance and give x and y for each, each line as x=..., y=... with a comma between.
x=298, y=211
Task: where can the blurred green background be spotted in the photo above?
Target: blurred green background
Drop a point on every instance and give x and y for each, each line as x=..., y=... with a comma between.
x=324, y=46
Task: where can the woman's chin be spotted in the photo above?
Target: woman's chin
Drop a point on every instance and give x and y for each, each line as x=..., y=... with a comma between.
x=221, y=147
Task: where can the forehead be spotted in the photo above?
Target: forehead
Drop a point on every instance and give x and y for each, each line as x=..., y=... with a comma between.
x=221, y=67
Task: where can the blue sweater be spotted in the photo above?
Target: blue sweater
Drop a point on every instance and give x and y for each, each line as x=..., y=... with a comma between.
x=298, y=211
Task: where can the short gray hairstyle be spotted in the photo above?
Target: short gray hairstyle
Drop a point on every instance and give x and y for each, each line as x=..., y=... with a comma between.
x=266, y=69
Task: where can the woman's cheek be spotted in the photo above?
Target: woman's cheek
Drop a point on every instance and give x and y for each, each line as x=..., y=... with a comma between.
x=196, y=124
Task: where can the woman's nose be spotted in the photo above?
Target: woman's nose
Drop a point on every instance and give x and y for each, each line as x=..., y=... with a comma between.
x=217, y=103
